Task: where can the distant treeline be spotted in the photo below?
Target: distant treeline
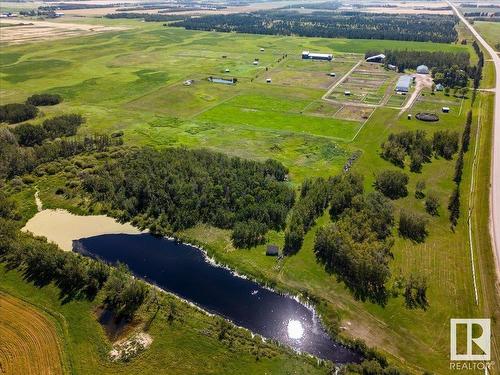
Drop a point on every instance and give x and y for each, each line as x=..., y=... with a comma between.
x=409, y=59
x=66, y=6
x=354, y=25
x=325, y=5
x=146, y=16
x=176, y=188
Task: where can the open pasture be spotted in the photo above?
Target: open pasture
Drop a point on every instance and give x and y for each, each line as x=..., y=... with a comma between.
x=294, y=71
x=435, y=103
x=134, y=81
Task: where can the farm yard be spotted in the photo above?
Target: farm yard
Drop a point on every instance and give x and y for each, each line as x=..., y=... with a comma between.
x=150, y=82
x=369, y=84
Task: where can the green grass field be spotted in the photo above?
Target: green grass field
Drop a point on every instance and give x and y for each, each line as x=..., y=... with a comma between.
x=133, y=81
x=490, y=31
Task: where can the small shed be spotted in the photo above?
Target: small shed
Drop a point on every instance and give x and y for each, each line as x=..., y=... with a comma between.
x=256, y=62
x=347, y=93
x=227, y=70
x=445, y=109
x=272, y=250
x=333, y=74
x=439, y=87
x=268, y=80
x=262, y=50
x=422, y=69
x=391, y=67
x=409, y=116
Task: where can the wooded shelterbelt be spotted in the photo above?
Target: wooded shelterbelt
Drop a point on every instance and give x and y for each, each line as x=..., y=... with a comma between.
x=353, y=25
x=176, y=188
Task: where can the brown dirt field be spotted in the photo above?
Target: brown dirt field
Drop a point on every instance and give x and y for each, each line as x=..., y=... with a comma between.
x=28, y=340
x=43, y=30
x=352, y=112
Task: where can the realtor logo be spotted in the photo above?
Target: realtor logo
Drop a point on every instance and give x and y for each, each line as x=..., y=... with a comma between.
x=478, y=340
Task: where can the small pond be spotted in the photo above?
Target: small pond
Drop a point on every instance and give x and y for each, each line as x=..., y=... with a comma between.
x=183, y=270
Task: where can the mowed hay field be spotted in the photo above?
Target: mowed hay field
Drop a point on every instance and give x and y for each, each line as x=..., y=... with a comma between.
x=29, y=343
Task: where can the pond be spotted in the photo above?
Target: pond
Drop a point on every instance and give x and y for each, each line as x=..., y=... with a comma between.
x=184, y=270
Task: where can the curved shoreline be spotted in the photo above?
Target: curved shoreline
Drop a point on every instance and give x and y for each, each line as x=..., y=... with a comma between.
x=62, y=227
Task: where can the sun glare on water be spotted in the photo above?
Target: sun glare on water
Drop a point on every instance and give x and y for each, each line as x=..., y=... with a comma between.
x=295, y=329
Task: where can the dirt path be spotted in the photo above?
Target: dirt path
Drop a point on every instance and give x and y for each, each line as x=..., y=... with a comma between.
x=421, y=81
x=334, y=86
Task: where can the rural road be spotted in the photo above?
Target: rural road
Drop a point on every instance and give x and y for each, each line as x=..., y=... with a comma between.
x=495, y=171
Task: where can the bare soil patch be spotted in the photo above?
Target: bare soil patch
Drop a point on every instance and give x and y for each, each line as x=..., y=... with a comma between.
x=34, y=31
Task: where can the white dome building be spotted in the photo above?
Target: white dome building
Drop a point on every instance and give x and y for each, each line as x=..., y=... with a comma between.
x=422, y=69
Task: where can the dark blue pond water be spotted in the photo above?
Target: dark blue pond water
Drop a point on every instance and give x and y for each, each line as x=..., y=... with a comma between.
x=183, y=270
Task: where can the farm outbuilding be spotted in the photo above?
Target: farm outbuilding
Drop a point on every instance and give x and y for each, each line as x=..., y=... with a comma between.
x=316, y=56
x=226, y=81
x=445, y=109
x=268, y=80
x=422, y=69
x=376, y=59
x=272, y=250
x=439, y=87
x=404, y=83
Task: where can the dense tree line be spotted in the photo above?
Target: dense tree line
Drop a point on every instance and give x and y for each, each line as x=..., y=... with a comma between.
x=478, y=73
x=419, y=148
x=76, y=276
x=17, y=112
x=60, y=126
x=412, y=143
x=445, y=143
x=454, y=202
x=147, y=17
x=44, y=99
x=452, y=76
x=176, y=189
x=314, y=198
x=356, y=246
x=410, y=59
x=416, y=293
x=353, y=25
x=392, y=183
x=412, y=225
x=16, y=160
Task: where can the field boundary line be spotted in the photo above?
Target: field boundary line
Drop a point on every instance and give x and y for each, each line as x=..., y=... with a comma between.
x=471, y=205
x=334, y=86
x=362, y=126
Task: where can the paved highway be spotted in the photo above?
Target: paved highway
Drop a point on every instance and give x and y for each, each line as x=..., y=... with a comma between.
x=495, y=172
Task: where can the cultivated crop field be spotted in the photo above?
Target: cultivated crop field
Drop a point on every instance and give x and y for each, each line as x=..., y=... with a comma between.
x=29, y=340
x=134, y=81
